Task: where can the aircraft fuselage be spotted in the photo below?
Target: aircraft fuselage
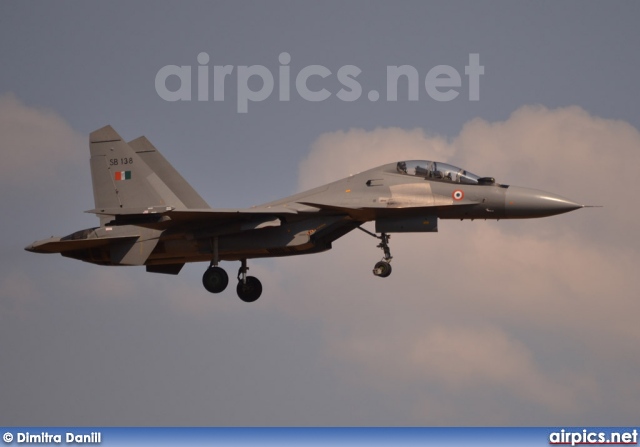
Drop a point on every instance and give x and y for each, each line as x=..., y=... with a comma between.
x=149, y=214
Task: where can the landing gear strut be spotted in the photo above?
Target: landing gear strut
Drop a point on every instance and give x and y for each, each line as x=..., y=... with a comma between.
x=215, y=279
x=249, y=287
x=382, y=267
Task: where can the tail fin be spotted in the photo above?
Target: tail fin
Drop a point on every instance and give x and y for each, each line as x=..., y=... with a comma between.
x=123, y=181
x=167, y=173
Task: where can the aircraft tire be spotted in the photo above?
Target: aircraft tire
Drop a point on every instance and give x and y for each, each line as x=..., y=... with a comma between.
x=249, y=291
x=382, y=269
x=215, y=279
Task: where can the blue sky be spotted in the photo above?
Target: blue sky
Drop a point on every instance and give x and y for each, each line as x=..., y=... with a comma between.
x=533, y=325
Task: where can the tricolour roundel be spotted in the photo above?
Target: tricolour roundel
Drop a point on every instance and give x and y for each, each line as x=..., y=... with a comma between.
x=458, y=194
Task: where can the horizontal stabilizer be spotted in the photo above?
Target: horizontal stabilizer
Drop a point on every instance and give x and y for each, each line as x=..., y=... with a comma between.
x=58, y=245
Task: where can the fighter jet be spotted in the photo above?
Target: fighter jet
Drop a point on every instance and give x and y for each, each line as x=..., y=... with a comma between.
x=149, y=214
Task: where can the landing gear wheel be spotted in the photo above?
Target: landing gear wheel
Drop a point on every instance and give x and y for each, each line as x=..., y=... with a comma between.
x=215, y=279
x=250, y=289
x=382, y=269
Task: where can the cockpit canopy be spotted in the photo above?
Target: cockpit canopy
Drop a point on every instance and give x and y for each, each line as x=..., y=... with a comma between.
x=435, y=170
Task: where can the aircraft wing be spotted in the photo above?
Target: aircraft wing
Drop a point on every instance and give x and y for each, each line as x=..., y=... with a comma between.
x=228, y=213
x=206, y=213
x=227, y=219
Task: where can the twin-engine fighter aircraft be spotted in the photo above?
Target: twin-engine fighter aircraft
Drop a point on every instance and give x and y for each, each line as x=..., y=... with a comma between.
x=149, y=214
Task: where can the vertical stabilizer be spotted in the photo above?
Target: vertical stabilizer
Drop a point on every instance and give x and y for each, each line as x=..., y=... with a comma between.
x=167, y=173
x=122, y=179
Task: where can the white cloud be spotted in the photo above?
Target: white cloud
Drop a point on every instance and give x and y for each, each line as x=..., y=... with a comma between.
x=542, y=311
x=461, y=359
x=339, y=154
x=38, y=145
x=538, y=314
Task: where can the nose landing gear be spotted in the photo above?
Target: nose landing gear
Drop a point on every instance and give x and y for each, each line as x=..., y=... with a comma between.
x=382, y=267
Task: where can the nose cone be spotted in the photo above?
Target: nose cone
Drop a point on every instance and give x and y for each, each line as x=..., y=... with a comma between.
x=526, y=203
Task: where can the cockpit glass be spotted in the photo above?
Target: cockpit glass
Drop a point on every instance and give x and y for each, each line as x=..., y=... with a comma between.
x=437, y=171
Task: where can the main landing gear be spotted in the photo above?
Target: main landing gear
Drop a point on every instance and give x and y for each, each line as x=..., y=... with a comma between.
x=249, y=288
x=382, y=267
x=216, y=280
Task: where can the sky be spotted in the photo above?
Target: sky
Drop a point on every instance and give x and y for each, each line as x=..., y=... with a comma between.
x=528, y=322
